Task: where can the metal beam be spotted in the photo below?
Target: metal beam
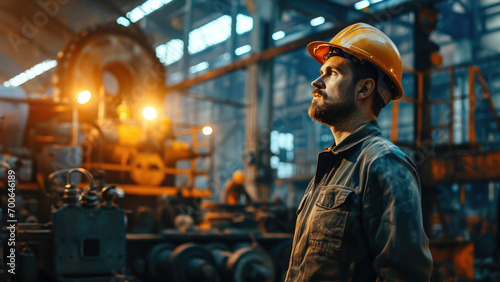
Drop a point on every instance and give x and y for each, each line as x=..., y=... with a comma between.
x=270, y=53
x=215, y=100
x=470, y=166
x=331, y=11
x=259, y=98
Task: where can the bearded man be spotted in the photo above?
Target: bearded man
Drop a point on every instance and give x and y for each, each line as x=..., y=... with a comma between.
x=360, y=218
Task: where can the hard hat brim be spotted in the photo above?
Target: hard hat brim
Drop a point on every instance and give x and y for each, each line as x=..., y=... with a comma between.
x=317, y=49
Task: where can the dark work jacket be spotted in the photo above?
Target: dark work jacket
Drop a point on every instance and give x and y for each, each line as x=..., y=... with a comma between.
x=361, y=218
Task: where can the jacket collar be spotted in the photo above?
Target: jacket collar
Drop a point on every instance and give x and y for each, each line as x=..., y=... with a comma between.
x=362, y=133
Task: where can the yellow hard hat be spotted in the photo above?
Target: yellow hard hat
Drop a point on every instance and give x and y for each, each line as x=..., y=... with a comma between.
x=366, y=42
x=238, y=177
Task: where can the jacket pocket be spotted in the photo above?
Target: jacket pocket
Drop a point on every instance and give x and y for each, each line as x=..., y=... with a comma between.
x=330, y=218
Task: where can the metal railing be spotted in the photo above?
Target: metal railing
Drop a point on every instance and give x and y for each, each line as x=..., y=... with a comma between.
x=472, y=72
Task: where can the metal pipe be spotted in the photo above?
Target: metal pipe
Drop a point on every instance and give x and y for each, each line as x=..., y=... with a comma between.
x=452, y=107
x=420, y=99
x=192, y=168
x=472, y=131
x=233, y=39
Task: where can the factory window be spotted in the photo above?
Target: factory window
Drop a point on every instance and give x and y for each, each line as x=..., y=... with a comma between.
x=282, y=146
x=278, y=35
x=210, y=34
x=170, y=52
x=243, y=50
x=198, y=67
x=285, y=170
x=217, y=31
x=141, y=11
x=123, y=21
x=30, y=73
x=243, y=23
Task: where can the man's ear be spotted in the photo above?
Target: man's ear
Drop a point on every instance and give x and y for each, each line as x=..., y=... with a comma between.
x=366, y=87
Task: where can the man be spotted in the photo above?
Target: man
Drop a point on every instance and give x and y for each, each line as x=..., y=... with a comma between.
x=360, y=218
x=235, y=188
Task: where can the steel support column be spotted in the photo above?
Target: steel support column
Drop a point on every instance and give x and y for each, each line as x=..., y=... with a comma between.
x=233, y=40
x=259, y=114
x=425, y=16
x=188, y=22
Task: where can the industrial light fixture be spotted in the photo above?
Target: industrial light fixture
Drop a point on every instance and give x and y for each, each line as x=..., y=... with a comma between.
x=149, y=113
x=207, y=130
x=84, y=97
x=317, y=21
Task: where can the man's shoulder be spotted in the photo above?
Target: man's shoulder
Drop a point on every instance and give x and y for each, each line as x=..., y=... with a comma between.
x=380, y=149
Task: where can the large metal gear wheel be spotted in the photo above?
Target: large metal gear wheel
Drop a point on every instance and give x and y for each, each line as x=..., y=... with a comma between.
x=250, y=264
x=193, y=263
x=113, y=60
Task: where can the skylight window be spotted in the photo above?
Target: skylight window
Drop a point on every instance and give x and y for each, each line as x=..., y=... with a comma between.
x=361, y=4
x=201, y=38
x=209, y=34
x=136, y=14
x=141, y=11
x=123, y=21
x=243, y=23
x=317, y=21
x=217, y=31
x=31, y=73
x=170, y=52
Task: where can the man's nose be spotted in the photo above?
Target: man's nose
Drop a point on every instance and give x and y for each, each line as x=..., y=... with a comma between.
x=318, y=83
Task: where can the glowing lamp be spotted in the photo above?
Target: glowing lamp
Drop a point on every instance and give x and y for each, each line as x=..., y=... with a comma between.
x=207, y=130
x=84, y=97
x=149, y=113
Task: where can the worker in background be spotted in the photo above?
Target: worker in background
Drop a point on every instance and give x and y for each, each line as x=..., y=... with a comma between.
x=235, y=188
x=360, y=218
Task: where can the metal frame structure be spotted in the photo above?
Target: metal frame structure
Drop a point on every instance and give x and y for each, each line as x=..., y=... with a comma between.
x=192, y=172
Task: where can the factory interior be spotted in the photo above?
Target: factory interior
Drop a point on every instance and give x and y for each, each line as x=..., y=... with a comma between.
x=124, y=123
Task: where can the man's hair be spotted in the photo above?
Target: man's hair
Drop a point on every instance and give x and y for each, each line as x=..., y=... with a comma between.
x=368, y=71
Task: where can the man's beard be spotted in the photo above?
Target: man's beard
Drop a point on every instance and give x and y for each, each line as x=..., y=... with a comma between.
x=331, y=113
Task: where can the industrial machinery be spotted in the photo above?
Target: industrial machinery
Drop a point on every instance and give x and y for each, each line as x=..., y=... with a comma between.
x=96, y=179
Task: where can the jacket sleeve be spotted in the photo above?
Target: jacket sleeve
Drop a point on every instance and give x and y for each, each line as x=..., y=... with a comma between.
x=392, y=219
